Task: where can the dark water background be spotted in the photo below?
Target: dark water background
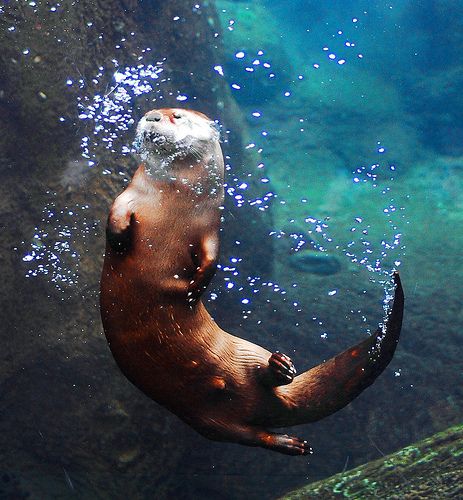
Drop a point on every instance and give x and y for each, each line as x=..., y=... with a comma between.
x=343, y=134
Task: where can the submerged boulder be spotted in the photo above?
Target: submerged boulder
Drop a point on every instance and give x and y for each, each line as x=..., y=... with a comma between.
x=312, y=262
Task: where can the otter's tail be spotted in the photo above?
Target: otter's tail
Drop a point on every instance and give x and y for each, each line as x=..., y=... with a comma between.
x=330, y=386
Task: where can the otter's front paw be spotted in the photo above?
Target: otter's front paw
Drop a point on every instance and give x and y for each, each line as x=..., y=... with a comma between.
x=281, y=368
x=118, y=231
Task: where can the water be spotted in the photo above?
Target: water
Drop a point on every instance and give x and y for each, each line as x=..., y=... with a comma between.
x=340, y=128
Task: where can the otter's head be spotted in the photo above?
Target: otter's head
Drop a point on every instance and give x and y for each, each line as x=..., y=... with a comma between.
x=175, y=132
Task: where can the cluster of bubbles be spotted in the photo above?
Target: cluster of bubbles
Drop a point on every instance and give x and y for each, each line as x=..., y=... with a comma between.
x=366, y=255
x=238, y=191
x=254, y=64
x=112, y=113
x=51, y=251
x=341, y=48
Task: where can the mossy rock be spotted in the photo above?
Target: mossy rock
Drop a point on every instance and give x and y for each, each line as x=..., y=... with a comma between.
x=432, y=468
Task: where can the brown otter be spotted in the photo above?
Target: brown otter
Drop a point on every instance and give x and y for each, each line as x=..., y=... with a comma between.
x=161, y=253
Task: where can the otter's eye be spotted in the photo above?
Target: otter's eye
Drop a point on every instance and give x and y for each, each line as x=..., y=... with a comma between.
x=176, y=115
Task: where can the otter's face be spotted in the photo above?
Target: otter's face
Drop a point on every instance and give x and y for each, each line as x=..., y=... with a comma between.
x=174, y=131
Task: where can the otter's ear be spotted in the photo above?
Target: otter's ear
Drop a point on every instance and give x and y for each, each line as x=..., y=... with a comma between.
x=216, y=127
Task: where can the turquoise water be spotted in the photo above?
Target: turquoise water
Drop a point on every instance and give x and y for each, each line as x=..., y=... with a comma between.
x=341, y=126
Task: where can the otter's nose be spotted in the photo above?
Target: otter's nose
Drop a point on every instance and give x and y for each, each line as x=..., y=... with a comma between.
x=153, y=116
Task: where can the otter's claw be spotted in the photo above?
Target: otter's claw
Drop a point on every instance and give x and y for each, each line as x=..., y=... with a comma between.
x=282, y=368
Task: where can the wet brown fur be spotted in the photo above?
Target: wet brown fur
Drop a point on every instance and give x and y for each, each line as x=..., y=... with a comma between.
x=161, y=254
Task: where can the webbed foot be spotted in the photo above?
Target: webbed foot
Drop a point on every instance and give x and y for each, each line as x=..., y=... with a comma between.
x=289, y=445
x=255, y=436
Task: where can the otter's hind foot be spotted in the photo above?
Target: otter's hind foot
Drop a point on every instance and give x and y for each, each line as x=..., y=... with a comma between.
x=281, y=369
x=257, y=436
x=289, y=445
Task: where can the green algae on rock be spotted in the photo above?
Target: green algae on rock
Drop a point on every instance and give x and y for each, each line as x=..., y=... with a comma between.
x=432, y=468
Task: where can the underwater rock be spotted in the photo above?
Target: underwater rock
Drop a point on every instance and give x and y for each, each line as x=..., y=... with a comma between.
x=315, y=262
x=432, y=468
x=10, y=487
x=129, y=456
x=438, y=107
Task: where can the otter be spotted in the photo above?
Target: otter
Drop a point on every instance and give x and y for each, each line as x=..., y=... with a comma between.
x=161, y=253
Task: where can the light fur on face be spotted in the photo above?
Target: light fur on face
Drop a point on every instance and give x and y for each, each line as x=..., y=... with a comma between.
x=174, y=133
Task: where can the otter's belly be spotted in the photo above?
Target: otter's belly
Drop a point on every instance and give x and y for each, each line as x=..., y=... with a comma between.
x=186, y=380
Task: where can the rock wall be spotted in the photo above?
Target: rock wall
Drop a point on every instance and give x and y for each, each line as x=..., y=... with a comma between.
x=73, y=424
